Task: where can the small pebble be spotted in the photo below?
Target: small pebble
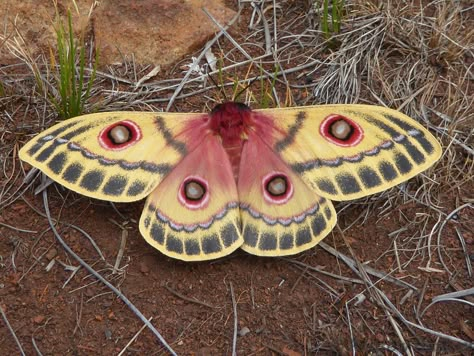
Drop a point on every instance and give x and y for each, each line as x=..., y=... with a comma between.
x=89, y=292
x=380, y=337
x=144, y=268
x=39, y=319
x=52, y=253
x=108, y=334
x=244, y=331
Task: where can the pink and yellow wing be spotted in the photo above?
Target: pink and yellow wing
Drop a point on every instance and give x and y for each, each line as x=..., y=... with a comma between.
x=79, y=154
x=346, y=152
x=280, y=214
x=193, y=215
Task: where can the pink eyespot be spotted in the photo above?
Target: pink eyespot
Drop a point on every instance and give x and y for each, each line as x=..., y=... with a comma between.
x=277, y=188
x=194, y=193
x=341, y=130
x=120, y=135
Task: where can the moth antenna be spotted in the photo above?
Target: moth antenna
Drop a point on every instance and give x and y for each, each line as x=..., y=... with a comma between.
x=245, y=88
x=220, y=87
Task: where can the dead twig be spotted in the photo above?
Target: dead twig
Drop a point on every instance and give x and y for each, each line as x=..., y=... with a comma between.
x=134, y=337
x=7, y=323
x=192, y=300
x=352, y=265
x=234, y=308
x=123, y=242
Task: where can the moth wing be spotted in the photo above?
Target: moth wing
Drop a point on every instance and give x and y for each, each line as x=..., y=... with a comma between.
x=78, y=153
x=278, y=225
x=195, y=229
x=382, y=148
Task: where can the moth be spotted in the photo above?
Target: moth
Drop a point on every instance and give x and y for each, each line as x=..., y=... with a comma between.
x=261, y=180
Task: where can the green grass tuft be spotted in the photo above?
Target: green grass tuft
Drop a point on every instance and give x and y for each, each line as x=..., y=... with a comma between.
x=73, y=89
x=331, y=25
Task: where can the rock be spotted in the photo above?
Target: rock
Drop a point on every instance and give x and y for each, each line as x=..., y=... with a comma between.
x=244, y=331
x=144, y=268
x=39, y=319
x=290, y=352
x=158, y=32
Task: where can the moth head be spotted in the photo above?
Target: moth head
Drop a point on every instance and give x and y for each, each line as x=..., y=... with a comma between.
x=229, y=120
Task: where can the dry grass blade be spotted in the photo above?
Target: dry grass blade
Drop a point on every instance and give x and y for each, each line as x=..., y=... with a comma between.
x=234, y=308
x=352, y=265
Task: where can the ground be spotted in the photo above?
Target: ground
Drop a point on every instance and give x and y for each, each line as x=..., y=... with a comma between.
x=414, y=57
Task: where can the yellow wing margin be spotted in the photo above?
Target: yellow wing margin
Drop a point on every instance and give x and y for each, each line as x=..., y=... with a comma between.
x=71, y=154
x=392, y=149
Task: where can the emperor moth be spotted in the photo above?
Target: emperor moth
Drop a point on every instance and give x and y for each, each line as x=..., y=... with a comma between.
x=261, y=180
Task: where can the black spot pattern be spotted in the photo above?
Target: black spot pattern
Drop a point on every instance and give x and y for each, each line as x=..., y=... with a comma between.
x=115, y=185
x=268, y=242
x=303, y=236
x=318, y=225
x=174, y=244
x=388, y=171
x=327, y=213
x=92, y=180
x=347, y=183
x=210, y=244
x=229, y=234
x=146, y=222
x=286, y=242
x=402, y=162
x=35, y=148
x=427, y=146
x=73, y=172
x=47, y=152
x=77, y=132
x=136, y=188
x=192, y=247
x=326, y=185
x=61, y=129
x=388, y=129
x=157, y=233
x=58, y=162
x=369, y=177
x=414, y=152
x=250, y=235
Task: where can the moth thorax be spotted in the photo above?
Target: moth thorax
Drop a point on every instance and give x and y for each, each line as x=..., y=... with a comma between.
x=229, y=120
x=341, y=130
x=120, y=134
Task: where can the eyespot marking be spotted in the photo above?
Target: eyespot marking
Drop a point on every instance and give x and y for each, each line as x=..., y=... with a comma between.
x=277, y=188
x=341, y=131
x=194, y=193
x=120, y=135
